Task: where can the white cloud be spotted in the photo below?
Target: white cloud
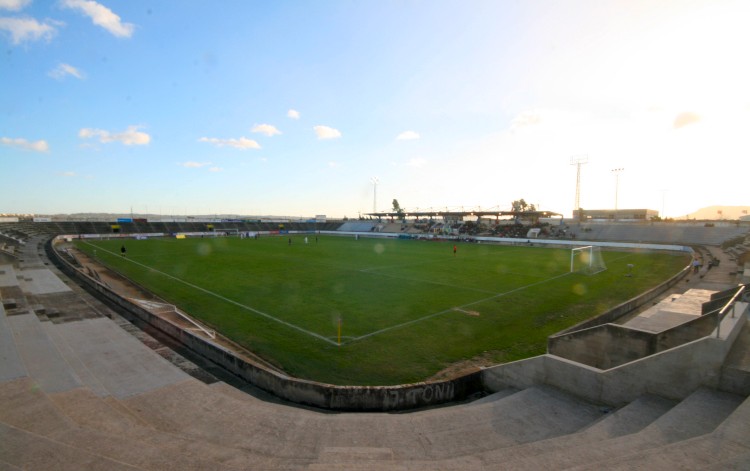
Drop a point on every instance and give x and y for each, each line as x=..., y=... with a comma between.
x=325, y=132
x=191, y=164
x=68, y=174
x=526, y=119
x=102, y=16
x=215, y=169
x=130, y=137
x=267, y=129
x=27, y=29
x=333, y=164
x=63, y=70
x=13, y=5
x=294, y=114
x=20, y=143
x=241, y=143
x=407, y=136
x=417, y=162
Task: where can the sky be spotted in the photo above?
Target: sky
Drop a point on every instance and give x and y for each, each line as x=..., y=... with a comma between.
x=304, y=108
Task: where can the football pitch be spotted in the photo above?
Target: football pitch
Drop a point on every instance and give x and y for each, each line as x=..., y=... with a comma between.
x=380, y=311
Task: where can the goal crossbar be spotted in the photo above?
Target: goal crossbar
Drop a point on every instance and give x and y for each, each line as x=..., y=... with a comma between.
x=587, y=259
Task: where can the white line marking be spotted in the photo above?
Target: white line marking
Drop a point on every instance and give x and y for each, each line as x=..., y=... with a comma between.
x=451, y=309
x=428, y=282
x=230, y=301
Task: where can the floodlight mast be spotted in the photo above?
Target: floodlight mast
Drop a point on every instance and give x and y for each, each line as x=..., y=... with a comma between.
x=578, y=161
x=617, y=171
x=375, y=182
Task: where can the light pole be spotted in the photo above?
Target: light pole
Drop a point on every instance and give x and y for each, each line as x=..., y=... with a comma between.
x=578, y=161
x=617, y=186
x=375, y=182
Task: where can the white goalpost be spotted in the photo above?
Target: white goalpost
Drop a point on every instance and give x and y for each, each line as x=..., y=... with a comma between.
x=587, y=260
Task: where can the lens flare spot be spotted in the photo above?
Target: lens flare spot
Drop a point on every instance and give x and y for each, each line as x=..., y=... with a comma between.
x=379, y=248
x=579, y=289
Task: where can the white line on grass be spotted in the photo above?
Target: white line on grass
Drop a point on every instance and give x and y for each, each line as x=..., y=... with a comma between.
x=428, y=282
x=453, y=308
x=230, y=301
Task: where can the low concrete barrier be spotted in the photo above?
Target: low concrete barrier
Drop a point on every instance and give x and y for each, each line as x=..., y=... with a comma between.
x=626, y=307
x=610, y=345
x=673, y=373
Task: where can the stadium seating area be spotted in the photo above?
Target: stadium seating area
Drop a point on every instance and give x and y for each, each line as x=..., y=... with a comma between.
x=663, y=234
x=357, y=226
x=82, y=388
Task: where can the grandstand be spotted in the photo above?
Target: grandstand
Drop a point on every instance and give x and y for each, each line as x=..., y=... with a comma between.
x=357, y=226
x=659, y=233
x=82, y=388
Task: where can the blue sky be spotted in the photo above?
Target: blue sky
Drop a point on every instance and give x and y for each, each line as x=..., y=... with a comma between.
x=292, y=108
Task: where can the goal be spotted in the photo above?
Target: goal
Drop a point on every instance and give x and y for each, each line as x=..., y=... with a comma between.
x=587, y=260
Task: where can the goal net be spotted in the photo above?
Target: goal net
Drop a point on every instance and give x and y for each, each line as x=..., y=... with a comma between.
x=587, y=260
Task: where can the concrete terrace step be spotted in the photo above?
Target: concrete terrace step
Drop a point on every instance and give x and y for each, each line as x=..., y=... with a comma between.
x=735, y=374
x=629, y=419
x=81, y=420
x=8, y=467
x=529, y=415
x=24, y=405
x=696, y=453
x=87, y=409
x=193, y=410
x=11, y=364
x=197, y=411
x=30, y=451
x=736, y=463
x=698, y=414
x=492, y=397
x=363, y=466
x=41, y=358
x=737, y=426
x=85, y=376
x=112, y=361
x=671, y=311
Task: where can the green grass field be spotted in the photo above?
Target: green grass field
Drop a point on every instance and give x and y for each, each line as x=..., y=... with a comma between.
x=407, y=308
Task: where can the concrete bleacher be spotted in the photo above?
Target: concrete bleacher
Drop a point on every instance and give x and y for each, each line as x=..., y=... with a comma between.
x=78, y=391
x=394, y=227
x=657, y=233
x=357, y=226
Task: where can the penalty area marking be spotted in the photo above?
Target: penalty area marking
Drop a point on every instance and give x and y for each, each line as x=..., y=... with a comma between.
x=218, y=296
x=452, y=309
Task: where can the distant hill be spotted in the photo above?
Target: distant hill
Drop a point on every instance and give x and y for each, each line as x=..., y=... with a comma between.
x=727, y=212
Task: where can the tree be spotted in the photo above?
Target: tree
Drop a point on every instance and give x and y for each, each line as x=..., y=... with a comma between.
x=397, y=209
x=520, y=205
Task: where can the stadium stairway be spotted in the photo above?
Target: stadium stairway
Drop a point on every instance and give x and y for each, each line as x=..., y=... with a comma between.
x=78, y=391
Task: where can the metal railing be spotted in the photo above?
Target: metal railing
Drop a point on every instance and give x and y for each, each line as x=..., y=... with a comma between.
x=729, y=305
